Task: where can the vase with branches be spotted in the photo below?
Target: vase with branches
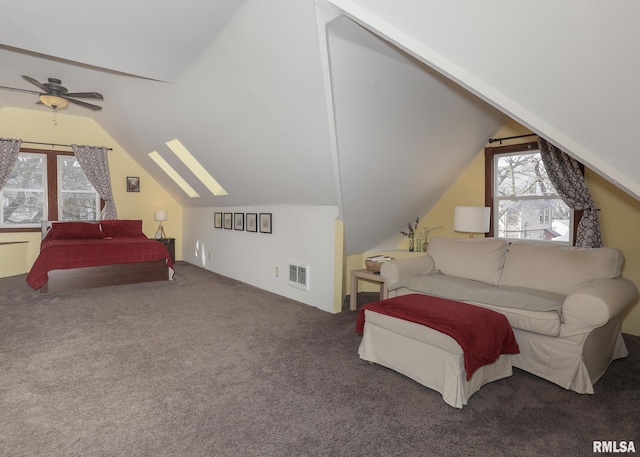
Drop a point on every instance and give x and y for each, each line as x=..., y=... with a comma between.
x=411, y=233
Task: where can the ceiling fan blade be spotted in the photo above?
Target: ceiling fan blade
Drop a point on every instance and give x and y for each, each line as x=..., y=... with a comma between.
x=93, y=95
x=83, y=104
x=15, y=89
x=35, y=82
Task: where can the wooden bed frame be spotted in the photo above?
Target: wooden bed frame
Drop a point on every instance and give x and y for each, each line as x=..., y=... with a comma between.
x=104, y=275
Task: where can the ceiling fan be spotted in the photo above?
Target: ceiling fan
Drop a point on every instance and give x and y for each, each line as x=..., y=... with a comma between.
x=56, y=96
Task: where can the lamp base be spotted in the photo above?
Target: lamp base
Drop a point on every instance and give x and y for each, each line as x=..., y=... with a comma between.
x=160, y=232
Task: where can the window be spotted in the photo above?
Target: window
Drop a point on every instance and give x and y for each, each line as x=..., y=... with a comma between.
x=24, y=197
x=46, y=185
x=525, y=204
x=77, y=199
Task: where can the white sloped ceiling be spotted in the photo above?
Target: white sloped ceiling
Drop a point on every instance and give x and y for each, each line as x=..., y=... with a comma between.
x=403, y=132
x=567, y=70
x=149, y=39
x=241, y=87
x=379, y=125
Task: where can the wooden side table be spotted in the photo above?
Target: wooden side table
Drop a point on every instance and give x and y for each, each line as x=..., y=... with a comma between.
x=368, y=276
x=170, y=244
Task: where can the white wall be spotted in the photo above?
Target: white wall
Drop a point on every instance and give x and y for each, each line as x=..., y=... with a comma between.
x=301, y=234
x=402, y=131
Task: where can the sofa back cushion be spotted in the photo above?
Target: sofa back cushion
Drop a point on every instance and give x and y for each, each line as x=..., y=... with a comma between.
x=480, y=259
x=557, y=268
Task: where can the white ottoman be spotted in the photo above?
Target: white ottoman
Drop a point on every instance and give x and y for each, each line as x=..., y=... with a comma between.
x=427, y=356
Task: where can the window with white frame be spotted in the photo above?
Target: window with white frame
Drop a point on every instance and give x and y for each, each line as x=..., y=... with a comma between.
x=525, y=203
x=46, y=185
x=77, y=199
x=24, y=196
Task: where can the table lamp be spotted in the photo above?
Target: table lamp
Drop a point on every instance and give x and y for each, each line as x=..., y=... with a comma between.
x=160, y=215
x=472, y=219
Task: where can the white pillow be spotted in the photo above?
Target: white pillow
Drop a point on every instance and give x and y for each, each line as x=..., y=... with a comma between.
x=480, y=259
x=557, y=268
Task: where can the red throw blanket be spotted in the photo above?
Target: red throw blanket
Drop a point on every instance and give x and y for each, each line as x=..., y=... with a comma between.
x=482, y=334
x=66, y=254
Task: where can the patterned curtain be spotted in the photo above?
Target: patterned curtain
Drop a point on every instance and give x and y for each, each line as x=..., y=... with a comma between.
x=566, y=176
x=9, y=149
x=95, y=164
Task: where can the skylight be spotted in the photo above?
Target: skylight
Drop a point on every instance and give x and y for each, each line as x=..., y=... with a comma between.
x=173, y=174
x=195, y=166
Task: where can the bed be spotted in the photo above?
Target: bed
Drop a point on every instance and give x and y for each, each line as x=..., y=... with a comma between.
x=82, y=255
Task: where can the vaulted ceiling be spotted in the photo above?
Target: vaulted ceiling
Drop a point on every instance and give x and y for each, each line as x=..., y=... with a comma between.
x=372, y=106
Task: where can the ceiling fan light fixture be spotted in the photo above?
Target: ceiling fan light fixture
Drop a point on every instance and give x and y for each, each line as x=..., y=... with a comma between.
x=53, y=101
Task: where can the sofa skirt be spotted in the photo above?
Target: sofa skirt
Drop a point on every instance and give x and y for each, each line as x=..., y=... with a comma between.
x=427, y=356
x=573, y=362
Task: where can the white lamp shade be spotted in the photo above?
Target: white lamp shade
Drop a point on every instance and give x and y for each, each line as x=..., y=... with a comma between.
x=471, y=219
x=160, y=215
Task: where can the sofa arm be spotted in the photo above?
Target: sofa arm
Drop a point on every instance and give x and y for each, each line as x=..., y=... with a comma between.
x=599, y=302
x=395, y=270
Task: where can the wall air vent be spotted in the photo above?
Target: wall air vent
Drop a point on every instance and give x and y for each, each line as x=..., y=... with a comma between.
x=299, y=276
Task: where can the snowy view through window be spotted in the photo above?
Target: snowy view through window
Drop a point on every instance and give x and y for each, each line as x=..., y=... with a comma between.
x=526, y=203
x=78, y=200
x=25, y=195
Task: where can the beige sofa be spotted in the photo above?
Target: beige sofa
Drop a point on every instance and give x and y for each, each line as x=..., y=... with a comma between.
x=565, y=304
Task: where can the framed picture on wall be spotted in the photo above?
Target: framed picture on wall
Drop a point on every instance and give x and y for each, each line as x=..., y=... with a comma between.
x=252, y=222
x=133, y=184
x=265, y=223
x=217, y=220
x=238, y=221
x=228, y=221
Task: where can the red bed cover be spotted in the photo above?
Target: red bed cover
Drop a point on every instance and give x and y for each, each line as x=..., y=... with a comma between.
x=66, y=254
x=482, y=333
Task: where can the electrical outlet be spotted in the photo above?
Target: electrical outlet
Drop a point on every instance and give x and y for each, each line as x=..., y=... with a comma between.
x=277, y=272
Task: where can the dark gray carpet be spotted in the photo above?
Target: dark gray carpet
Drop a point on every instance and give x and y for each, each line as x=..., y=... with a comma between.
x=208, y=366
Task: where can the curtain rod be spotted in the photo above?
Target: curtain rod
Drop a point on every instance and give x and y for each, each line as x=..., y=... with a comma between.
x=54, y=144
x=493, y=140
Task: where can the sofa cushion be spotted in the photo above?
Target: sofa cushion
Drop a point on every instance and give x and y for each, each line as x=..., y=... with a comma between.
x=526, y=309
x=480, y=259
x=557, y=268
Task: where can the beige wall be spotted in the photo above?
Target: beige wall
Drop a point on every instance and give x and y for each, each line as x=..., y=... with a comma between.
x=619, y=221
x=38, y=126
x=619, y=216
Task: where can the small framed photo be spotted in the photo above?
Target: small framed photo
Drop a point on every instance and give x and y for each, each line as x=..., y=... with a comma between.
x=228, y=221
x=252, y=222
x=265, y=223
x=217, y=220
x=238, y=221
x=133, y=184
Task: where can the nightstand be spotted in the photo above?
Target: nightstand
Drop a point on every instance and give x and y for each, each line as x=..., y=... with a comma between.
x=170, y=244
